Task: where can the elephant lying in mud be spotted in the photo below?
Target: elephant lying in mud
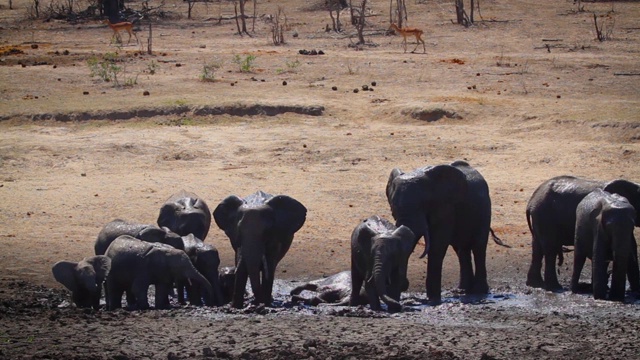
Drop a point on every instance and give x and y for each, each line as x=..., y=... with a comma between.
x=136, y=264
x=84, y=279
x=186, y=213
x=379, y=259
x=332, y=290
x=447, y=205
x=604, y=233
x=261, y=229
x=551, y=216
x=148, y=233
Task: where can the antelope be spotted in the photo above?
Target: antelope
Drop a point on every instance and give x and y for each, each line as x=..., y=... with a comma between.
x=124, y=25
x=407, y=31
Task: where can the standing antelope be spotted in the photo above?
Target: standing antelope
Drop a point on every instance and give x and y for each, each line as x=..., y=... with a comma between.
x=124, y=25
x=407, y=31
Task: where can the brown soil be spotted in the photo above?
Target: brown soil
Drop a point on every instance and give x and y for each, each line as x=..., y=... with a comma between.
x=527, y=94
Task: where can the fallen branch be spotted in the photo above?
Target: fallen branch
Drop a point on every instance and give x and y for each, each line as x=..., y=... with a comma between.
x=627, y=74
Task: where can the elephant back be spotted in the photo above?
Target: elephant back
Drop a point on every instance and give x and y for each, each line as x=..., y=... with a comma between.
x=114, y=229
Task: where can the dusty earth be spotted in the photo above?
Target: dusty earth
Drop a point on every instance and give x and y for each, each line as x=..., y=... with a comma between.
x=526, y=94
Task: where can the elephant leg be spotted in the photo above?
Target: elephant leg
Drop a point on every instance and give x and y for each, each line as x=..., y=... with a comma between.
x=267, y=283
x=550, y=276
x=131, y=298
x=579, y=258
x=466, y=268
x=618, y=278
x=162, y=296
x=434, y=265
x=356, y=285
x=180, y=288
x=534, y=276
x=480, y=283
x=372, y=295
x=239, y=286
x=114, y=296
x=257, y=288
x=633, y=272
x=140, y=288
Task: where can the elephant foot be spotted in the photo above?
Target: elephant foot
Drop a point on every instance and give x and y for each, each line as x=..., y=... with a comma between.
x=535, y=281
x=480, y=288
x=434, y=301
x=554, y=287
x=394, y=308
x=582, y=288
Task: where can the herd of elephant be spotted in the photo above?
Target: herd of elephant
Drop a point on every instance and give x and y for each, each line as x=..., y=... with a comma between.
x=447, y=205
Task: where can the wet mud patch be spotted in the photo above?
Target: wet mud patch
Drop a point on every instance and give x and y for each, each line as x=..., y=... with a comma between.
x=431, y=114
x=233, y=110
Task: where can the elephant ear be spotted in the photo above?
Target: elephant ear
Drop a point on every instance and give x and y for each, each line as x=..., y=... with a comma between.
x=406, y=237
x=101, y=264
x=629, y=190
x=64, y=273
x=390, y=186
x=444, y=184
x=289, y=213
x=166, y=215
x=225, y=213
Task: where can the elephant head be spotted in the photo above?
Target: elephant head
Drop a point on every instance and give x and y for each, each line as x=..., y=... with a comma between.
x=261, y=228
x=425, y=196
x=390, y=253
x=185, y=213
x=629, y=190
x=84, y=279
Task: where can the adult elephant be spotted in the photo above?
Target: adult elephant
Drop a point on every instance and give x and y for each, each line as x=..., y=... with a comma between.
x=84, y=279
x=551, y=216
x=447, y=205
x=261, y=228
x=206, y=259
x=136, y=264
x=604, y=233
x=379, y=259
x=186, y=213
x=148, y=233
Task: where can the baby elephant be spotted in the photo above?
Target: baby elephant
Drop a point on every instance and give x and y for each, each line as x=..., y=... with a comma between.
x=148, y=233
x=379, y=258
x=604, y=232
x=333, y=290
x=136, y=264
x=84, y=279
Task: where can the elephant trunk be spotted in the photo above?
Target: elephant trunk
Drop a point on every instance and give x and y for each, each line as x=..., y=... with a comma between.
x=381, y=271
x=192, y=273
x=420, y=228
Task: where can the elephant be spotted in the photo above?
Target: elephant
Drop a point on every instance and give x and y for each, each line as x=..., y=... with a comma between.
x=186, y=213
x=379, y=259
x=551, y=217
x=604, y=232
x=261, y=229
x=227, y=276
x=447, y=205
x=84, y=279
x=332, y=290
x=148, y=233
x=136, y=264
x=206, y=259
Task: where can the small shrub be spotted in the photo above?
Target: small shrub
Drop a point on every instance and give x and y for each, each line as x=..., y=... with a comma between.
x=209, y=70
x=246, y=64
x=152, y=67
x=290, y=67
x=105, y=68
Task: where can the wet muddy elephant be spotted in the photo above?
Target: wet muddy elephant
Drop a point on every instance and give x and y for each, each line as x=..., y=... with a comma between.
x=84, y=279
x=148, y=233
x=186, y=213
x=379, y=259
x=551, y=216
x=206, y=259
x=447, y=205
x=332, y=290
x=136, y=264
x=604, y=233
x=261, y=228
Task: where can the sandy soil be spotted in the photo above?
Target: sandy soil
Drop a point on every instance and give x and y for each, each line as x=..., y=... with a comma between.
x=517, y=110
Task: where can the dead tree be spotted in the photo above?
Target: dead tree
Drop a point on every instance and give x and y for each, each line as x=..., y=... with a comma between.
x=277, y=27
x=462, y=17
x=241, y=19
x=399, y=15
x=360, y=22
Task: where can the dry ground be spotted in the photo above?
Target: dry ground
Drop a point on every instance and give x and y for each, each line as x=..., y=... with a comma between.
x=517, y=111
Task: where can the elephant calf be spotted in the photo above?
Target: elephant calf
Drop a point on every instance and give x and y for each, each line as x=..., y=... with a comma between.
x=206, y=259
x=84, y=279
x=604, y=232
x=149, y=233
x=136, y=264
x=379, y=259
x=333, y=290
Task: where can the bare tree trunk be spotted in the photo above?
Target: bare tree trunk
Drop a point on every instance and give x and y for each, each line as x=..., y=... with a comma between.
x=253, y=24
x=244, y=22
x=471, y=12
x=361, y=22
x=235, y=9
x=150, y=39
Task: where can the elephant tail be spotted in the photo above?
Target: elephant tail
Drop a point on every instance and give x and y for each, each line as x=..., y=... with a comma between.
x=497, y=240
